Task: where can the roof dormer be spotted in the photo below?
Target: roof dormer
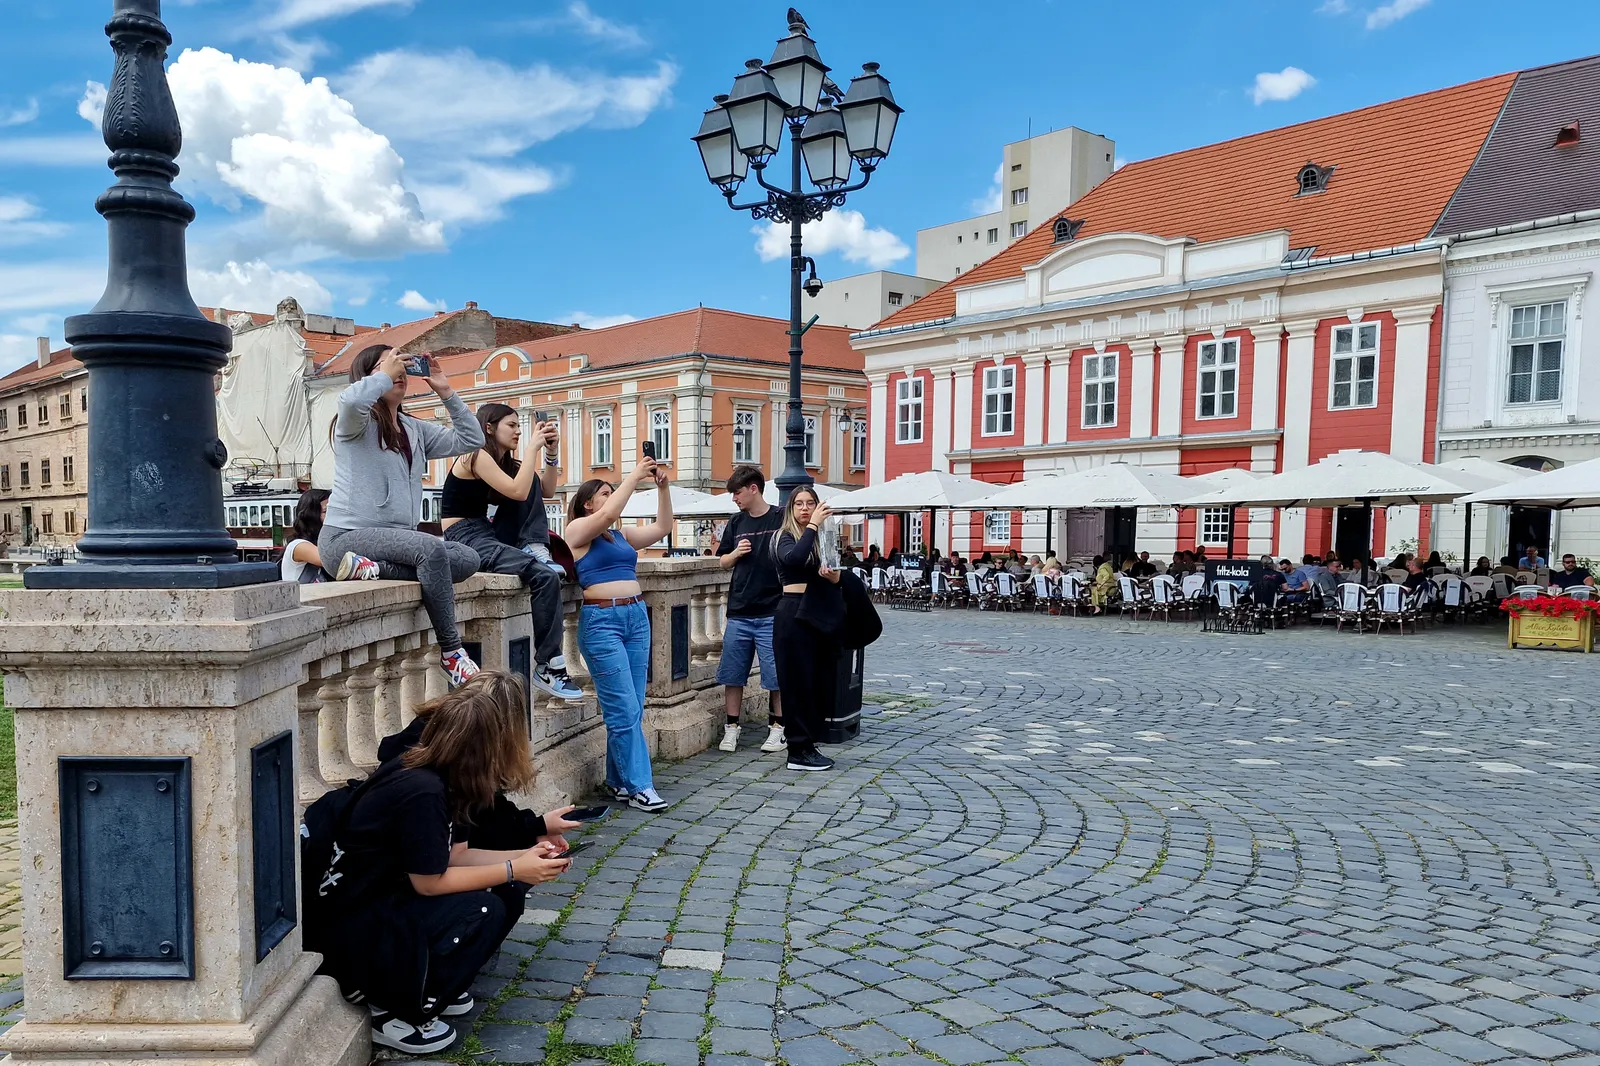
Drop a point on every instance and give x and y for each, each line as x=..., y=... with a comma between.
x=1312, y=178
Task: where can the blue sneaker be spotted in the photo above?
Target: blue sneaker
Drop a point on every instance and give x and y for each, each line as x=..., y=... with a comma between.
x=554, y=680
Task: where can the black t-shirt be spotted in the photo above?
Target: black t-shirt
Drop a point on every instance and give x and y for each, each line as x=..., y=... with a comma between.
x=1564, y=580
x=401, y=825
x=755, y=590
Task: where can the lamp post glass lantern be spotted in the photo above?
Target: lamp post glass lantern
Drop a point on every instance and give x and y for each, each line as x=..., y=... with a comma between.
x=741, y=134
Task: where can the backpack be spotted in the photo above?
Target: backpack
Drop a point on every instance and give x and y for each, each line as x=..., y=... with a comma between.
x=325, y=820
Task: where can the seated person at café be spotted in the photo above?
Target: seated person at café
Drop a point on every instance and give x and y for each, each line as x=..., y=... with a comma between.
x=1508, y=566
x=1482, y=568
x=1299, y=583
x=985, y=564
x=1264, y=593
x=1328, y=579
x=1531, y=559
x=1571, y=575
x=1144, y=567
x=957, y=565
x=1416, y=576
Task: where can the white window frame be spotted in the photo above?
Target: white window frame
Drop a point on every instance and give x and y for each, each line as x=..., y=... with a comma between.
x=1537, y=341
x=556, y=517
x=1098, y=382
x=858, y=446
x=1355, y=331
x=908, y=410
x=1019, y=229
x=813, y=445
x=603, y=445
x=1224, y=357
x=746, y=435
x=1019, y=196
x=661, y=432
x=994, y=234
x=913, y=531
x=997, y=528
x=896, y=299
x=999, y=401
x=1211, y=529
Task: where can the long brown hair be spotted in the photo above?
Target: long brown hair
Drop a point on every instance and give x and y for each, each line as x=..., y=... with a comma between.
x=391, y=434
x=791, y=524
x=477, y=738
x=581, y=498
x=489, y=416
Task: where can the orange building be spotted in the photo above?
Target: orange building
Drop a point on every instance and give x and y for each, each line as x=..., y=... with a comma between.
x=709, y=387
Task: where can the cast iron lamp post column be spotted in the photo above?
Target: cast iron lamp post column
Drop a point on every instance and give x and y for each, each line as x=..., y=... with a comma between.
x=744, y=130
x=155, y=461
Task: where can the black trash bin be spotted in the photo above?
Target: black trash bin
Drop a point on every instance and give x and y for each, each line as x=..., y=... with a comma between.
x=845, y=723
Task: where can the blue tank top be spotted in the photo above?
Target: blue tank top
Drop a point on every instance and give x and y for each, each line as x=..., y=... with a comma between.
x=608, y=560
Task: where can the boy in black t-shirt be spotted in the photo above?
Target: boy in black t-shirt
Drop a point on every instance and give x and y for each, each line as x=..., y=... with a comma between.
x=753, y=595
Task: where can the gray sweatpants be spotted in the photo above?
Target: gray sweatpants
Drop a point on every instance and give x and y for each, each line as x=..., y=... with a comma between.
x=544, y=585
x=434, y=563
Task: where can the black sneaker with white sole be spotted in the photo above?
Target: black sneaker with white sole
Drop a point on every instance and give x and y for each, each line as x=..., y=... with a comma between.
x=389, y=1031
x=462, y=1004
x=809, y=759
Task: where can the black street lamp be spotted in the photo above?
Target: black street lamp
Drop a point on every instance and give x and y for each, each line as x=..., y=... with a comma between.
x=744, y=130
x=155, y=461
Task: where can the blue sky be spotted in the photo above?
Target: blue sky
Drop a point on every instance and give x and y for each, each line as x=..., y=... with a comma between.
x=380, y=158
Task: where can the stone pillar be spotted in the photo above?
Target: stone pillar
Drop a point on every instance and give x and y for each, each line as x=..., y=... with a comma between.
x=164, y=838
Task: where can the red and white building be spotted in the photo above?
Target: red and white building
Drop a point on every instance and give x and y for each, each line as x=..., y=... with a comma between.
x=1258, y=303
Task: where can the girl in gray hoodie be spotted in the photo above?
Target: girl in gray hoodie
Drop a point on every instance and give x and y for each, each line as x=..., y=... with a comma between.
x=380, y=456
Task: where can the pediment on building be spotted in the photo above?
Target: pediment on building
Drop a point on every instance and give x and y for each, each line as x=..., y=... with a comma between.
x=1108, y=262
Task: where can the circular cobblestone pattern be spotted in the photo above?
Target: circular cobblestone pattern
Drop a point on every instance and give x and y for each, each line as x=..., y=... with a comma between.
x=1062, y=842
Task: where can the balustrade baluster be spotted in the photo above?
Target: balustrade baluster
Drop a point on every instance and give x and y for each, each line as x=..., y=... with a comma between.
x=360, y=729
x=337, y=766
x=386, y=707
x=309, y=707
x=414, y=683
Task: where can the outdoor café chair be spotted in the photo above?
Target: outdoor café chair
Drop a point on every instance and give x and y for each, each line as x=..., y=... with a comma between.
x=1134, y=598
x=1354, y=606
x=1234, y=613
x=1528, y=592
x=1007, y=597
x=1165, y=597
x=1074, y=591
x=1579, y=592
x=1395, y=605
x=1046, y=594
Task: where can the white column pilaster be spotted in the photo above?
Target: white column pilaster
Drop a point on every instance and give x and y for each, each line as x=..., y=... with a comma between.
x=1032, y=413
x=879, y=427
x=1059, y=378
x=940, y=422
x=1169, y=413
x=1298, y=368
x=1265, y=374
x=1408, y=410
x=961, y=430
x=1141, y=395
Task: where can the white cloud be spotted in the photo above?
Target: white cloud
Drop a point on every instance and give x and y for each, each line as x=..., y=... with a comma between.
x=1118, y=163
x=302, y=12
x=469, y=191
x=298, y=53
x=1334, y=7
x=991, y=201
x=603, y=29
x=257, y=286
x=55, y=150
x=325, y=180
x=1393, y=12
x=412, y=300
x=34, y=287
x=1286, y=84
x=92, y=107
x=20, y=222
x=841, y=231
x=20, y=116
x=588, y=321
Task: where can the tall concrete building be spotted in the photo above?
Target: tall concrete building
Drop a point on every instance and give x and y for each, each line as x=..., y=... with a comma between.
x=1038, y=178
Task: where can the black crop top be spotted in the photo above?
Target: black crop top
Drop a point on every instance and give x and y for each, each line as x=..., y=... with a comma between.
x=464, y=497
x=798, y=560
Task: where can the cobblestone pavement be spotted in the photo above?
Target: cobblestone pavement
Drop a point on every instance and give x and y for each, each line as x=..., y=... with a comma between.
x=1063, y=842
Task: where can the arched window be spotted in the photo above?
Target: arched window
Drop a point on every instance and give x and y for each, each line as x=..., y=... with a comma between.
x=1065, y=229
x=1312, y=179
x=1534, y=462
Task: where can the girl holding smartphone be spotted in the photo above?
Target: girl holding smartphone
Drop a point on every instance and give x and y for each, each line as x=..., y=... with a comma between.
x=613, y=625
x=807, y=656
x=380, y=456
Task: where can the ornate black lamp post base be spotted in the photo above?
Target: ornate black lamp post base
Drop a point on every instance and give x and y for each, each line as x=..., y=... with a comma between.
x=155, y=461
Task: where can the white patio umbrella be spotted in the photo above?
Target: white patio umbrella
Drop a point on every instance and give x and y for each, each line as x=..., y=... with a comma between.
x=1351, y=478
x=1110, y=487
x=930, y=490
x=825, y=493
x=1227, y=477
x=1577, y=485
x=686, y=503
x=1479, y=474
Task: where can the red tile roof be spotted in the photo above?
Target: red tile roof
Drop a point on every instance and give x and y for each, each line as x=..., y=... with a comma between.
x=699, y=331
x=1396, y=166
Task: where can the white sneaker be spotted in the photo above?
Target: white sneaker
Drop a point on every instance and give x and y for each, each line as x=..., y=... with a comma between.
x=389, y=1031
x=730, y=738
x=355, y=567
x=459, y=666
x=775, y=740
x=648, y=801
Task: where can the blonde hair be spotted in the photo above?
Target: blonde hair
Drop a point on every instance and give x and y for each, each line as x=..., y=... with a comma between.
x=791, y=524
x=477, y=738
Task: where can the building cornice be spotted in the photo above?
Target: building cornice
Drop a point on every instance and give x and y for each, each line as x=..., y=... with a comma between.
x=1511, y=437
x=1119, y=444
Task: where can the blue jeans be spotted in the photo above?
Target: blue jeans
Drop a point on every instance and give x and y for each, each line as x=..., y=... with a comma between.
x=743, y=640
x=615, y=643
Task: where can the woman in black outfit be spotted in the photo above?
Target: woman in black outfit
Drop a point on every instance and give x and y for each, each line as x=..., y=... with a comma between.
x=414, y=911
x=807, y=654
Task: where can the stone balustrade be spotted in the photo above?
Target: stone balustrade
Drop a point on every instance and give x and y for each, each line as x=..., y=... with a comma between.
x=374, y=660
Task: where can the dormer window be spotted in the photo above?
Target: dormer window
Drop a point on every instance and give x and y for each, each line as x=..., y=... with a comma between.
x=1567, y=134
x=1066, y=229
x=1312, y=178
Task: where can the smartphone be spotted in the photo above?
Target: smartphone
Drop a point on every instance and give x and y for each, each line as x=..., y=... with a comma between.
x=547, y=416
x=649, y=447
x=587, y=814
x=417, y=366
x=574, y=849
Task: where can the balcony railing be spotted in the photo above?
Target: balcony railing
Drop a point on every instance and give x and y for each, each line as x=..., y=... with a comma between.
x=375, y=659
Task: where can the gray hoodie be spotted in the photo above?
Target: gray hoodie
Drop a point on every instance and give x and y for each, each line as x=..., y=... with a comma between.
x=374, y=488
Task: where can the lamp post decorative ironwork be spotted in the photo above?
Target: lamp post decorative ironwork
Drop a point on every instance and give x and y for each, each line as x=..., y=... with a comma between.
x=831, y=131
x=155, y=460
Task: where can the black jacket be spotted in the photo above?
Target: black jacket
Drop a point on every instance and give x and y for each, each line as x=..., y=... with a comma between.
x=503, y=827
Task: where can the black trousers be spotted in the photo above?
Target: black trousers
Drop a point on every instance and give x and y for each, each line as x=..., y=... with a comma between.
x=808, y=670
x=544, y=584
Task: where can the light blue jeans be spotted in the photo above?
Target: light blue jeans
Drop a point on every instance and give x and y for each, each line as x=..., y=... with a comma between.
x=615, y=643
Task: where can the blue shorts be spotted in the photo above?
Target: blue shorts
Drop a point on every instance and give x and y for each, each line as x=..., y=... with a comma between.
x=744, y=639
